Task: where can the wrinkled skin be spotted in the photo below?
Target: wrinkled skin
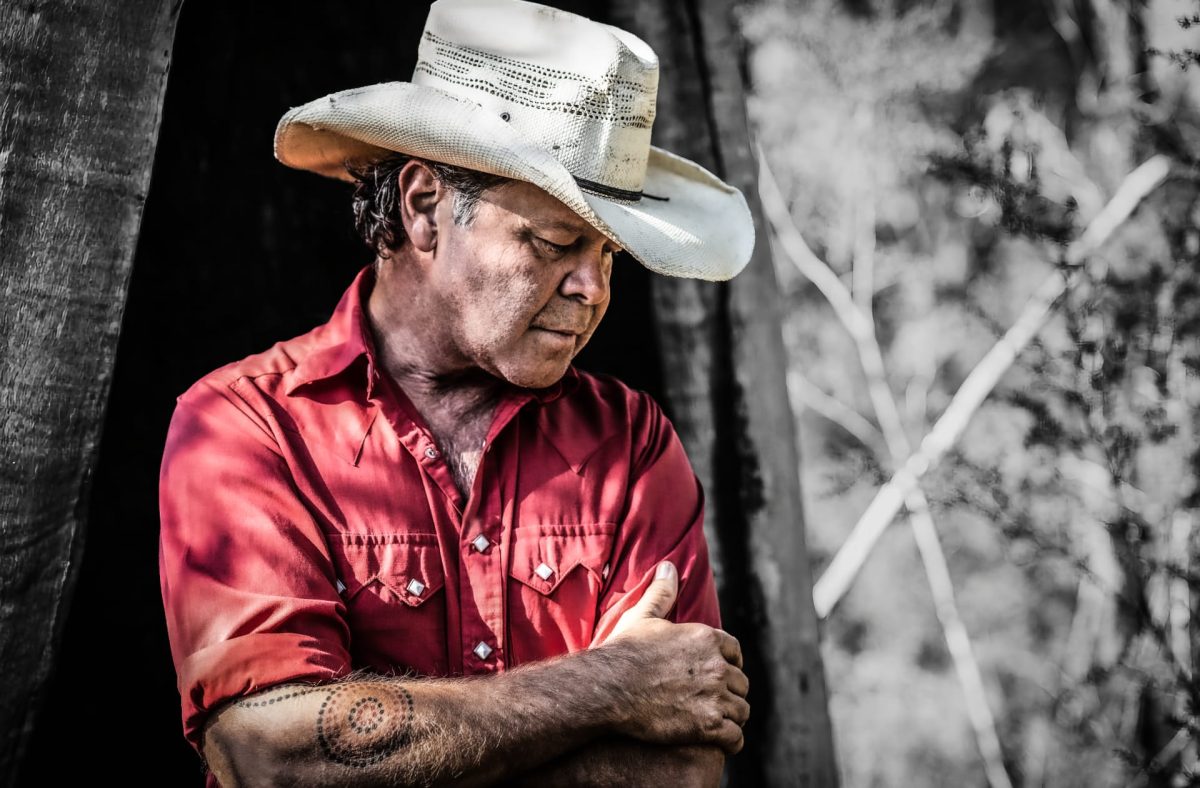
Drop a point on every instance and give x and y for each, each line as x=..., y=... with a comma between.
x=516, y=294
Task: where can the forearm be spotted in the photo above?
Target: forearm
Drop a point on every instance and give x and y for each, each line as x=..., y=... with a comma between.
x=618, y=760
x=370, y=730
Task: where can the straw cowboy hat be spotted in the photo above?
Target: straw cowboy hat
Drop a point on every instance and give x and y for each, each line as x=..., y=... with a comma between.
x=540, y=95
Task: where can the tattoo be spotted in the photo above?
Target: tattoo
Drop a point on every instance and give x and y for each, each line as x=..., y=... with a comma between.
x=361, y=725
x=277, y=695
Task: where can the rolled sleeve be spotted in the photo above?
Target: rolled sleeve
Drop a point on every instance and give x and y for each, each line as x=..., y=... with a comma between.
x=248, y=583
x=664, y=520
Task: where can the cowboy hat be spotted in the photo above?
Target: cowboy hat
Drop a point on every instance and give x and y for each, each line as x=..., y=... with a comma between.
x=533, y=93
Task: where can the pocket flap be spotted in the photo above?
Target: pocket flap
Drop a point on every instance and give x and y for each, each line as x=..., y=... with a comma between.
x=545, y=554
x=397, y=567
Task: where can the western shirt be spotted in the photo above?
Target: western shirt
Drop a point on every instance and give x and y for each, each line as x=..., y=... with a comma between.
x=310, y=525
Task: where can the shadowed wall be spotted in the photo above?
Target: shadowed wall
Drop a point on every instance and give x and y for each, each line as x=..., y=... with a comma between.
x=236, y=252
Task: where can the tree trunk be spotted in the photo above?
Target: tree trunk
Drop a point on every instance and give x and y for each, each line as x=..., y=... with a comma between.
x=82, y=86
x=724, y=373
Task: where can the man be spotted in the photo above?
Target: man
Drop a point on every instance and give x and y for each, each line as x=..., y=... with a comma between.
x=414, y=546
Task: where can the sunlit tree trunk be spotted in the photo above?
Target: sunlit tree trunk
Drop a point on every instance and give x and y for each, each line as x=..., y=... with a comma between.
x=724, y=374
x=81, y=87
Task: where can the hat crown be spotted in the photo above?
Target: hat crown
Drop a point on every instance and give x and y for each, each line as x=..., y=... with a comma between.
x=582, y=90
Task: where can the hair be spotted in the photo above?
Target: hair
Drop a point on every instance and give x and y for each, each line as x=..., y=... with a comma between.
x=376, y=200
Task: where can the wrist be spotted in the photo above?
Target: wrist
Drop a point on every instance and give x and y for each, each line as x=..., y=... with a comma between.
x=615, y=667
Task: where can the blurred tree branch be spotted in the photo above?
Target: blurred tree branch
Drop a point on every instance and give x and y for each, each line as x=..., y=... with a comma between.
x=854, y=311
x=810, y=396
x=830, y=587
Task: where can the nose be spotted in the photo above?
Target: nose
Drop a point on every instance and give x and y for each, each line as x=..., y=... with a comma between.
x=587, y=280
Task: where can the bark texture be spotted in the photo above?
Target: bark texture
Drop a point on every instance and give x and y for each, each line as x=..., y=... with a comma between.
x=81, y=89
x=724, y=375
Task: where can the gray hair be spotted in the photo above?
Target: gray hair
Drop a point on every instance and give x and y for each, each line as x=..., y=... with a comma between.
x=376, y=200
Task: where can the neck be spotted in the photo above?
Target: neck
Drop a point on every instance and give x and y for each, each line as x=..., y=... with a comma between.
x=414, y=350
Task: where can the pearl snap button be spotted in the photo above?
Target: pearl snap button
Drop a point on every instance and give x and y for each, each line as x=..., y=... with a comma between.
x=543, y=571
x=416, y=587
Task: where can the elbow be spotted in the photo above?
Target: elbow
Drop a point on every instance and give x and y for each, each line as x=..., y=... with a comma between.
x=241, y=754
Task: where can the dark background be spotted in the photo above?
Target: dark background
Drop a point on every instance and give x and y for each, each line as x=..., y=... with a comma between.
x=236, y=252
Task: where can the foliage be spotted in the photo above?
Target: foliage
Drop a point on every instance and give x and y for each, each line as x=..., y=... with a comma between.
x=1068, y=511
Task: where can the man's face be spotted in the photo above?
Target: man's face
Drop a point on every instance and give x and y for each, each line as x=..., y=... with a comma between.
x=524, y=286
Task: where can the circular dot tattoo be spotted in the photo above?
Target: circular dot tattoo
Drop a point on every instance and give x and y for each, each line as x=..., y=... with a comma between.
x=278, y=696
x=365, y=715
x=360, y=725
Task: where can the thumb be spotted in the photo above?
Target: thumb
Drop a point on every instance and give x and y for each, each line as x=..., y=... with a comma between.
x=659, y=597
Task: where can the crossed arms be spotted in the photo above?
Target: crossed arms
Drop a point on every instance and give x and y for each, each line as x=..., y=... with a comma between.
x=657, y=701
x=249, y=592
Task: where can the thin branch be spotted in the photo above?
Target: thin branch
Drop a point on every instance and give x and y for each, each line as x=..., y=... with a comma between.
x=812, y=397
x=855, y=314
x=1179, y=594
x=1173, y=749
x=862, y=272
x=958, y=642
x=977, y=386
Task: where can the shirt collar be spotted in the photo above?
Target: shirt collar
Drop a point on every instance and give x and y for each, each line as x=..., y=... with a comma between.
x=347, y=337
x=342, y=341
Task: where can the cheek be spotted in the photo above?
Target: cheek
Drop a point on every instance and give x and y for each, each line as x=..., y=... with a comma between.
x=501, y=304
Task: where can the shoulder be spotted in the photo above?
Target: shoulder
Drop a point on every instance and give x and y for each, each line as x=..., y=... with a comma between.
x=600, y=409
x=241, y=398
x=268, y=369
x=605, y=399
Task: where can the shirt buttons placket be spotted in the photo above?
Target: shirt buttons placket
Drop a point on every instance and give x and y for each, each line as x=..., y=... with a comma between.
x=482, y=565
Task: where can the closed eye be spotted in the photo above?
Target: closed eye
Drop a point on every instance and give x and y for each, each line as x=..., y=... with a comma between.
x=550, y=248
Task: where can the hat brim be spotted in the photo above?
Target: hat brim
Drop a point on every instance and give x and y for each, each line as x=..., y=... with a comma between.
x=700, y=227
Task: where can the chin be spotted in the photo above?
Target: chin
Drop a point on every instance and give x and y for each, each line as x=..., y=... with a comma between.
x=535, y=381
x=535, y=378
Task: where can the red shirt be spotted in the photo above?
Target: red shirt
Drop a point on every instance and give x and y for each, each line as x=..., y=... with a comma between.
x=310, y=526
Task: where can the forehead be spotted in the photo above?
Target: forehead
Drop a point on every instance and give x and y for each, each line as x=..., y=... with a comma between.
x=525, y=203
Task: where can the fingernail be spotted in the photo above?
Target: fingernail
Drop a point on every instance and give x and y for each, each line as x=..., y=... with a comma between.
x=664, y=570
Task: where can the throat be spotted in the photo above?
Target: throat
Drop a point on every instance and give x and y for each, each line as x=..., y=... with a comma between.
x=463, y=457
x=460, y=427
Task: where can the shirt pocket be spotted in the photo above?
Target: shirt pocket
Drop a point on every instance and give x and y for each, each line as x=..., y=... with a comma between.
x=556, y=576
x=392, y=587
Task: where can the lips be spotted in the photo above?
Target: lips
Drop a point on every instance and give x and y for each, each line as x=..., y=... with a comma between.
x=568, y=322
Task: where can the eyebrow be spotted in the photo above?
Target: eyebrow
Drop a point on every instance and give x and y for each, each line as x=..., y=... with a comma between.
x=571, y=227
x=561, y=224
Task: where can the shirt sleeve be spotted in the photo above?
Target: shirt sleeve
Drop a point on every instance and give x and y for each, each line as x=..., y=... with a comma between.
x=664, y=520
x=248, y=583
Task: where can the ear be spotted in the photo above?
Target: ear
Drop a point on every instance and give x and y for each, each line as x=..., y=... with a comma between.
x=420, y=192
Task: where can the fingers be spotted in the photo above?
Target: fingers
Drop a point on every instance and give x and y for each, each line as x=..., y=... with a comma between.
x=730, y=738
x=737, y=710
x=659, y=597
x=723, y=724
x=656, y=601
x=737, y=682
x=731, y=650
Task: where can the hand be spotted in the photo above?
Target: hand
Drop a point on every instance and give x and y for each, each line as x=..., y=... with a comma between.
x=687, y=686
